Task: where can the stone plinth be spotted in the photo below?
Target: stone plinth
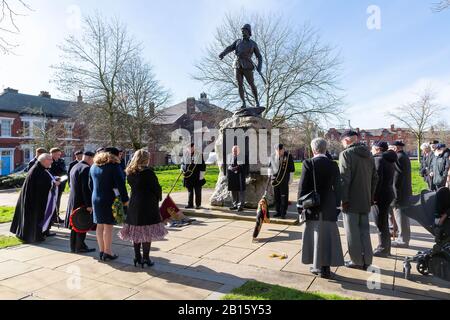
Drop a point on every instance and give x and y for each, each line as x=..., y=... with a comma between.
x=258, y=149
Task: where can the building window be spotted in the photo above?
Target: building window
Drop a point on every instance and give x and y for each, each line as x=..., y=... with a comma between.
x=68, y=154
x=26, y=127
x=38, y=128
x=27, y=154
x=69, y=130
x=5, y=128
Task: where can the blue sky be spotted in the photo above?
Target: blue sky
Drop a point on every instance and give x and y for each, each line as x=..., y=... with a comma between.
x=381, y=68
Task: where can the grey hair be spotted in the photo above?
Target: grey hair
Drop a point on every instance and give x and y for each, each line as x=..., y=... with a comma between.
x=319, y=145
x=425, y=146
x=43, y=157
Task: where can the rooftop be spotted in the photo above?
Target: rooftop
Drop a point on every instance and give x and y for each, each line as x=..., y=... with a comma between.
x=43, y=104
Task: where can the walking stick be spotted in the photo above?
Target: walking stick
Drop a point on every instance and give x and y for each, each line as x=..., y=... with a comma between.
x=174, y=185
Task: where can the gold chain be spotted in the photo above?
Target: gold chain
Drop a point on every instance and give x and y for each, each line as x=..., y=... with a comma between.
x=284, y=174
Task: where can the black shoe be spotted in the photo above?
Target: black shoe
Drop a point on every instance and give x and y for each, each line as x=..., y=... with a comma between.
x=325, y=273
x=381, y=254
x=85, y=250
x=198, y=207
x=100, y=256
x=278, y=215
x=234, y=208
x=314, y=271
x=147, y=262
x=351, y=265
x=189, y=207
x=107, y=257
x=50, y=234
x=137, y=261
x=241, y=209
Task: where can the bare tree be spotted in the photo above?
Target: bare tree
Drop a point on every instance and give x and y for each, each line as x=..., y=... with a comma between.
x=418, y=116
x=301, y=71
x=94, y=63
x=10, y=10
x=440, y=6
x=140, y=96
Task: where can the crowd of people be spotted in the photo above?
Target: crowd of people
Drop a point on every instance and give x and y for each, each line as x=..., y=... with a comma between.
x=375, y=182
x=96, y=181
x=367, y=181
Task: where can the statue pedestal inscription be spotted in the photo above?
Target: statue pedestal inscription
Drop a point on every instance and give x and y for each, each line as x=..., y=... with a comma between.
x=256, y=133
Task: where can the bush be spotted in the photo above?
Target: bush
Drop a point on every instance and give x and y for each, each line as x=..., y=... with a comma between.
x=13, y=181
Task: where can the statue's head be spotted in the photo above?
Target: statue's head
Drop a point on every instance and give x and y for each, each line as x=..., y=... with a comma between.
x=247, y=31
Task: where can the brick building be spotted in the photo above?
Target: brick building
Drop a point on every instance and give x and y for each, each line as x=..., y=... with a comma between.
x=369, y=136
x=183, y=116
x=25, y=119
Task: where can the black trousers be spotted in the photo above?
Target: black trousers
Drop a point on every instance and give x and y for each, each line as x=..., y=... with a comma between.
x=382, y=222
x=77, y=241
x=197, y=190
x=249, y=76
x=281, y=194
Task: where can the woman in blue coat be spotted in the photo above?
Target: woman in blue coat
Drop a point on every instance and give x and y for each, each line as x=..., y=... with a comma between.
x=106, y=180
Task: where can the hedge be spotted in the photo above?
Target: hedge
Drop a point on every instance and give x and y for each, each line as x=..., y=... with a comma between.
x=13, y=181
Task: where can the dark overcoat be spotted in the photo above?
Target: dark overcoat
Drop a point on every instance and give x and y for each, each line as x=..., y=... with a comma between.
x=237, y=173
x=384, y=192
x=31, y=206
x=402, y=180
x=146, y=193
x=328, y=186
x=80, y=192
x=192, y=167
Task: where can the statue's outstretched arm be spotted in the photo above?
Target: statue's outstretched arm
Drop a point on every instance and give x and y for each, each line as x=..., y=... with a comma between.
x=228, y=50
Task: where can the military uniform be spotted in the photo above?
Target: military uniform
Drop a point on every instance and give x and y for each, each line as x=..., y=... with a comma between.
x=194, y=169
x=283, y=169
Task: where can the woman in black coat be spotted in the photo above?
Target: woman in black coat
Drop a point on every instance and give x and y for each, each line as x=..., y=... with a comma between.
x=143, y=224
x=321, y=240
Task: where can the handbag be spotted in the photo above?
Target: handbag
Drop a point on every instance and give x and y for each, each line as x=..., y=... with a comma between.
x=312, y=199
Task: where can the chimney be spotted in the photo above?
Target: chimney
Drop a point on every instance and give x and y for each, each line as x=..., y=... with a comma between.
x=10, y=90
x=190, y=106
x=45, y=94
x=392, y=127
x=79, y=98
x=204, y=98
x=152, y=109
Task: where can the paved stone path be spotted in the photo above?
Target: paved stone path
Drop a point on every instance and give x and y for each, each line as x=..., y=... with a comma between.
x=201, y=261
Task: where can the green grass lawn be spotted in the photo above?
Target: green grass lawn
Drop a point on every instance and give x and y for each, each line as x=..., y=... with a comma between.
x=6, y=242
x=254, y=290
x=417, y=181
x=168, y=178
x=6, y=214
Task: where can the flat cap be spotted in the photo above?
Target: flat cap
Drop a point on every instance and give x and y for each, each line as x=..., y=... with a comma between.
x=349, y=134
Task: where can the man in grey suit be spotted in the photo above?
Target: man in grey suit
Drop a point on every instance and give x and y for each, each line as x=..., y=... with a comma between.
x=358, y=184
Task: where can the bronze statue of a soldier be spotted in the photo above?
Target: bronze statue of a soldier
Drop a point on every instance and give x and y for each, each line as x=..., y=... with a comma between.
x=244, y=49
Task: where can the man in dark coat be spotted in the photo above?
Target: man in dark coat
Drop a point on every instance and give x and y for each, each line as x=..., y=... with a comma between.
x=35, y=200
x=440, y=167
x=282, y=168
x=237, y=173
x=426, y=164
x=39, y=151
x=78, y=157
x=58, y=170
x=359, y=179
x=194, y=170
x=402, y=194
x=384, y=195
x=80, y=196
